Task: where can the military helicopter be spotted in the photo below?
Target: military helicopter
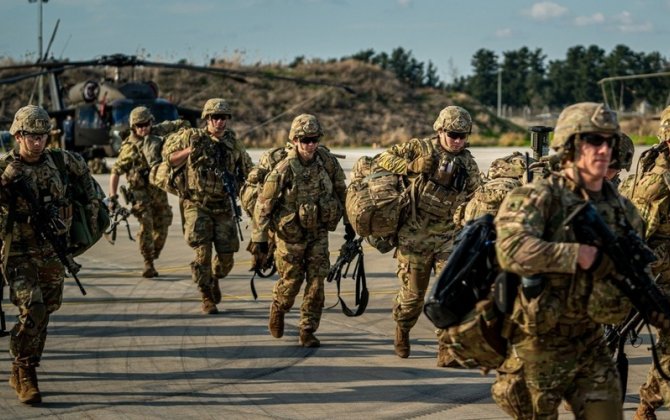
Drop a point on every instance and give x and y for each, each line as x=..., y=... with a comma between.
x=93, y=113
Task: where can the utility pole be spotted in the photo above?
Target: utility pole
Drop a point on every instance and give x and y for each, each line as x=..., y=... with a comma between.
x=499, y=92
x=40, y=89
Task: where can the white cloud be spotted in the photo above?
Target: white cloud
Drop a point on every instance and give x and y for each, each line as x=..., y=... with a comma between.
x=594, y=19
x=504, y=33
x=545, y=10
x=624, y=22
x=405, y=3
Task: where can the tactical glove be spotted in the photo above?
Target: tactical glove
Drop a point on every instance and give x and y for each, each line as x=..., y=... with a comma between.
x=422, y=164
x=12, y=173
x=349, y=232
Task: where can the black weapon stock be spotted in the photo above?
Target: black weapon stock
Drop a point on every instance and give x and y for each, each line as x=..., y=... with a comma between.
x=539, y=141
x=348, y=252
x=49, y=227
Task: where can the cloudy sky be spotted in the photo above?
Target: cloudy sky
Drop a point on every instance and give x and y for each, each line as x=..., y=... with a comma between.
x=446, y=32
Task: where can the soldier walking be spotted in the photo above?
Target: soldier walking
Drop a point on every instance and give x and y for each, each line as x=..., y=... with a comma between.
x=139, y=153
x=31, y=177
x=443, y=174
x=300, y=202
x=215, y=164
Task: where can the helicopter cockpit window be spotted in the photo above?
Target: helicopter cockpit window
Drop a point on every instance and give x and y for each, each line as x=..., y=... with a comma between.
x=88, y=117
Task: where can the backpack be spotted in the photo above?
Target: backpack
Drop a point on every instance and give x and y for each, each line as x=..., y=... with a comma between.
x=461, y=300
x=168, y=178
x=83, y=235
x=376, y=201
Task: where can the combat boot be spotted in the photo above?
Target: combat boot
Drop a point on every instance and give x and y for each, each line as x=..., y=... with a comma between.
x=401, y=342
x=307, y=339
x=276, y=323
x=208, y=305
x=149, y=270
x=644, y=412
x=26, y=389
x=445, y=359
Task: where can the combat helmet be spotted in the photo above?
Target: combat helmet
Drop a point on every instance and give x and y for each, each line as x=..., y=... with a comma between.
x=664, y=129
x=583, y=117
x=140, y=115
x=305, y=125
x=511, y=166
x=216, y=106
x=32, y=119
x=623, y=159
x=453, y=118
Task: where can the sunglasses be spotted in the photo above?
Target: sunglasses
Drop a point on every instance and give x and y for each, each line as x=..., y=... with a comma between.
x=456, y=136
x=308, y=140
x=597, y=140
x=143, y=125
x=219, y=117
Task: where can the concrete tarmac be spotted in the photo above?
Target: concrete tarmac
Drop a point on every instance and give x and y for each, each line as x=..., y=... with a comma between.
x=140, y=348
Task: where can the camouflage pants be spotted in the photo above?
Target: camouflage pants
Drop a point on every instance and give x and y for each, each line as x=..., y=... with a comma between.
x=509, y=390
x=417, y=256
x=36, y=288
x=577, y=368
x=655, y=391
x=202, y=228
x=154, y=214
x=309, y=262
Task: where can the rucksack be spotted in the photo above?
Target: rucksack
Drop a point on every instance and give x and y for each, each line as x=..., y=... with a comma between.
x=376, y=200
x=83, y=235
x=168, y=178
x=461, y=300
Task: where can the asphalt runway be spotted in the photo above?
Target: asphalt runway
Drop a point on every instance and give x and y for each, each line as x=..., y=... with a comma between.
x=140, y=348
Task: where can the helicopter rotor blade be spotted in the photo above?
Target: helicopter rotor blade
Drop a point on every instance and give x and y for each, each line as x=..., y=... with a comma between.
x=51, y=41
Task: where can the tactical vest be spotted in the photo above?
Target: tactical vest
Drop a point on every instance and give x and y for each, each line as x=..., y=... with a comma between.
x=440, y=193
x=138, y=173
x=268, y=161
x=309, y=202
x=208, y=160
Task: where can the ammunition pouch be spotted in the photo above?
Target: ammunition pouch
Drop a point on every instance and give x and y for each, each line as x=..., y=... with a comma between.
x=289, y=228
x=438, y=200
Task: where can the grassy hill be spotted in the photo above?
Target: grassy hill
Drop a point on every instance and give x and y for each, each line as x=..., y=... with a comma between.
x=382, y=111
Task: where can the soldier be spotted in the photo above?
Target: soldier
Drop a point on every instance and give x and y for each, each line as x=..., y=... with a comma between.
x=557, y=332
x=650, y=195
x=139, y=152
x=443, y=174
x=300, y=202
x=213, y=158
x=623, y=160
x=33, y=270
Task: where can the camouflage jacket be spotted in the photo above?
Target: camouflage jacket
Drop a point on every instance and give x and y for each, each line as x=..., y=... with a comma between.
x=533, y=239
x=136, y=157
x=298, y=199
x=48, y=185
x=209, y=160
x=433, y=206
x=649, y=190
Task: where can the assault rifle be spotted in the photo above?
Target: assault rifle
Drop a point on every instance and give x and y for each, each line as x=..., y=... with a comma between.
x=120, y=215
x=48, y=225
x=630, y=256
x=230, y=185
x=616, y=337
x=349, y=251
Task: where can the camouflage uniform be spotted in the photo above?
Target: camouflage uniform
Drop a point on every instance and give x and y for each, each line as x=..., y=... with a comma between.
x=300, y=202
x=208, y=215
x=557, y=334
x=34, y=271
x=149, y=203
x=425, y=237
x=650, y=194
